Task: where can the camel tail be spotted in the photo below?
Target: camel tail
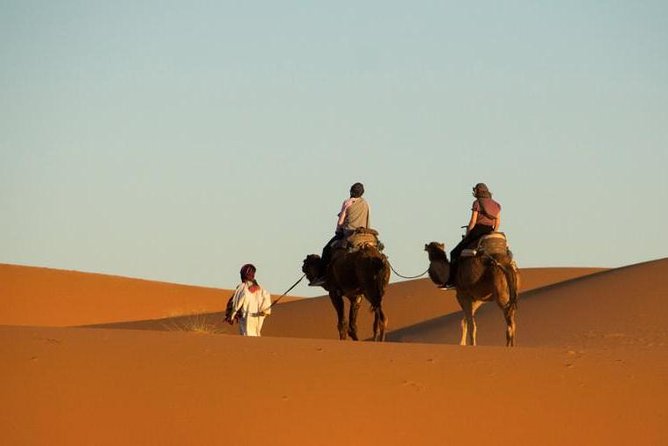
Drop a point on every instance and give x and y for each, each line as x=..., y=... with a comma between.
x=381, y=273
x=511, y=278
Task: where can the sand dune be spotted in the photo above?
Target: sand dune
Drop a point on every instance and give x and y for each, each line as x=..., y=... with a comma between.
x=57, y=298
x=84, y=386
x=590, y=367
x=625, y=306
x=406, y=303
x=51, y=297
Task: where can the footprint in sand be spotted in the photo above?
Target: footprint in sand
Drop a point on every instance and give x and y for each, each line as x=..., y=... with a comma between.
x=414, y=385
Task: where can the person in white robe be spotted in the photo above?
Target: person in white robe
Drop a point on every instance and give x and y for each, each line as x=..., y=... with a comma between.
x=251, y=302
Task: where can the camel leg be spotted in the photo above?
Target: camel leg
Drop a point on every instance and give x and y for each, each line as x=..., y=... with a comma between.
x=379, y=319
x=509, y=314
x=503, y=300
x=474, y=328
x=379, y=324
x=337, y=301
x=352, y=318
x=464, y=325
x=467, y=321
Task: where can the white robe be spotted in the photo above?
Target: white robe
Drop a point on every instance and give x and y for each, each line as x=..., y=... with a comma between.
x=249, y=305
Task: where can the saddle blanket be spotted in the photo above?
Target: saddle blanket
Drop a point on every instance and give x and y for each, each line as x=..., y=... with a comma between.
x=494, y=243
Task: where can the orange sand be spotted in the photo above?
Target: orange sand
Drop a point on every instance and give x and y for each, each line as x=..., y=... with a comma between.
x=590, y=366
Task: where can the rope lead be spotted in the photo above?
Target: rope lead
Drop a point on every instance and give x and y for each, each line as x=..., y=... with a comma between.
x=289, y=289
x=406, y=277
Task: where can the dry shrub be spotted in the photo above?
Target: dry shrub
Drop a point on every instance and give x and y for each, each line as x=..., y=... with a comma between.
x=196, y=323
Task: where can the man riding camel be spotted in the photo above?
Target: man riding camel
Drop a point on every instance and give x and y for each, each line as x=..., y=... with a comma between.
x=354, y=214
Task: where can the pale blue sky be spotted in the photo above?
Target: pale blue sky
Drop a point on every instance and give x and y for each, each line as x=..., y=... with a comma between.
x=176, y=141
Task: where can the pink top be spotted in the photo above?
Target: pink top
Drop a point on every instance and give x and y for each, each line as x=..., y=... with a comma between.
x=492, y=208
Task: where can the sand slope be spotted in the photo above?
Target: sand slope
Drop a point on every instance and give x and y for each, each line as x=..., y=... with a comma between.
x=405, y=304
x=590, y=368
x=624, y=306
x=51, y=297
x=84, y=386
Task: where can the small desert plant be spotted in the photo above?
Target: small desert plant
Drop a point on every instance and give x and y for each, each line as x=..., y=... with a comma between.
x=196, y=323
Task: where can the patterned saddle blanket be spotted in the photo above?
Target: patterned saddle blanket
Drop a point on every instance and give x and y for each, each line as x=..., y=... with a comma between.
x=490, y=244
x=360, y=238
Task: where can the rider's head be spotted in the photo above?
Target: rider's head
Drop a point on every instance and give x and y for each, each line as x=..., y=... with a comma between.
x=247, y=272
x=481, y=190
x=356, y=190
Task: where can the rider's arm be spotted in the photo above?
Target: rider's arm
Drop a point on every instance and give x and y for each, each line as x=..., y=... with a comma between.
x=497, y=222
x=474, y=219
x=342, y=215
x=266, y=303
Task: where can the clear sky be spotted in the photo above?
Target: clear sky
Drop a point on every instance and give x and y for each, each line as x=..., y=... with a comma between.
x=175, y=141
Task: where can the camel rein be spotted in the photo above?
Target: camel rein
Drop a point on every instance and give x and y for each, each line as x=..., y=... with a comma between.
x=406, y=277
x=289, y=289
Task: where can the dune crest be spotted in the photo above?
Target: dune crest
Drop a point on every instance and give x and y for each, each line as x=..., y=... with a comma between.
x=58, y=298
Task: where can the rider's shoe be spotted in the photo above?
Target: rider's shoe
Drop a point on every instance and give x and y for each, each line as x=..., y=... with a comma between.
x=318, y=281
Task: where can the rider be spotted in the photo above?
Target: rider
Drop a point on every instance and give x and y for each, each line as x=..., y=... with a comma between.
x=354, y=214
x=485, y=218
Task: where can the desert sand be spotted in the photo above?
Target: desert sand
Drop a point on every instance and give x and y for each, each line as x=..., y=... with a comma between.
x=96, y=359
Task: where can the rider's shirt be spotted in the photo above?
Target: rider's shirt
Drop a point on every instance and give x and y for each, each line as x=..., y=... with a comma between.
x=492, y=209
x=354, y=214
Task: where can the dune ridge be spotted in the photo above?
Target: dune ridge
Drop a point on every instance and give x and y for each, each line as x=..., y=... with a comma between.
x=49, y=297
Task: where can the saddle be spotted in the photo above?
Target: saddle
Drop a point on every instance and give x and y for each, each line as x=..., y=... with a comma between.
x=490, y=244
x=360, y=238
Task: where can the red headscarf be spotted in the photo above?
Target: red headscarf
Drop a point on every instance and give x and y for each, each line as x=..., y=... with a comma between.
x=248, y=275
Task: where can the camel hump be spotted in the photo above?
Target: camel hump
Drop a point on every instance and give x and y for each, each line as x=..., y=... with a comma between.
x=363, y=237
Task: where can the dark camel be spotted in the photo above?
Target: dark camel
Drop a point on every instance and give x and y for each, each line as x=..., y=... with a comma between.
x=364, y=272
x=479, y=279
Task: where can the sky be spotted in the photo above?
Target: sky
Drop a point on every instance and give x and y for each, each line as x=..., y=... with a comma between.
x=176, y=141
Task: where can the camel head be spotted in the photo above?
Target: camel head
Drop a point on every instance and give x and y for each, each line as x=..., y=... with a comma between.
x=436, y=251
x=439, y=267
x=311, y=266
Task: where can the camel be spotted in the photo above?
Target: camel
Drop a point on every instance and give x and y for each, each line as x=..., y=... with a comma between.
x=364, y=272
x=480, y=278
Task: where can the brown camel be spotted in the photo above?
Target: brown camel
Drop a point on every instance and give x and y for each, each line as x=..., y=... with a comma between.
x=480, y=278
x=364, y=272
